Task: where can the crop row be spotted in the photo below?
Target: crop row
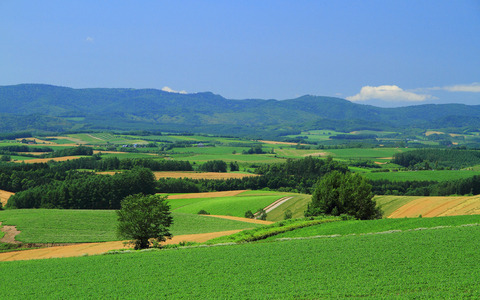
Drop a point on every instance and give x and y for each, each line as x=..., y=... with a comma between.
x=440, y=263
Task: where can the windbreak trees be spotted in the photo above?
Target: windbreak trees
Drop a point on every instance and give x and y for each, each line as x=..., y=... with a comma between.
x=343, y=193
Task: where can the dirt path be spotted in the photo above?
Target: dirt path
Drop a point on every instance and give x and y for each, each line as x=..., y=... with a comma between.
x=99, y=248
x=10, y=233
x=276, y=204
x=247, y=220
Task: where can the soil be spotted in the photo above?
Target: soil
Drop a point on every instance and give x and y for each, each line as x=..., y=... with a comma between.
x=10, y=233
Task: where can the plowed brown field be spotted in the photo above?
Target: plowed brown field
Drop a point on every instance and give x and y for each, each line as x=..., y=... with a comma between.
x=99, y=248
x=439, y=206
x=4, y=195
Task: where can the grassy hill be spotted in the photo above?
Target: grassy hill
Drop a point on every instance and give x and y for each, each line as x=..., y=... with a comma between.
x=75, y=226
x=435, y=263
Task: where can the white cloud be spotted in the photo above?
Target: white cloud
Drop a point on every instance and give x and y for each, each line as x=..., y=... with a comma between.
x=169, y=90
x=472, y=88
x=388, y=93
x=89, y=39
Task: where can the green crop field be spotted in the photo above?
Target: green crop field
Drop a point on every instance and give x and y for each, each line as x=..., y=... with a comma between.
x=436, y=263
x=104, y=137
x=230, y=206
x=130, y=155
x=438, y=175
x=297, y=206
x=367, y=153
x=73, y=226
x=375, y=226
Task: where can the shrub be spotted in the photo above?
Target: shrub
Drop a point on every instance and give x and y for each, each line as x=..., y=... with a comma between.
x=249, y=214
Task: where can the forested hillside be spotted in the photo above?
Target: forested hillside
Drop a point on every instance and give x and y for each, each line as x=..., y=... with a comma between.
x=52, y=108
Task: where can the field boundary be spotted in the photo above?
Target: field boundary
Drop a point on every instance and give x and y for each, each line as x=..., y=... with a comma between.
x=375, y=233
x=246, y=220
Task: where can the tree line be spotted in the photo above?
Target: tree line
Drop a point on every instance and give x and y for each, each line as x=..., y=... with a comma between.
x=437, y=158
x=465, y=186
x=86, y=191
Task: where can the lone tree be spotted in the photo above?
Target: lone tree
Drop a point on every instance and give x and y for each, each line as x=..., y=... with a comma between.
x=343, y=193
x=144, y=217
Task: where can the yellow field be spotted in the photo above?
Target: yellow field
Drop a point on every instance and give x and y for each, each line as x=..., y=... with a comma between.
x=44, y=160
x=99, y=248
x=433, y=132
x=413, y=206
x=4, y=195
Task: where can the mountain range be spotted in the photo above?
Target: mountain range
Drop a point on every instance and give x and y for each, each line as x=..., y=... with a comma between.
x=53, y=109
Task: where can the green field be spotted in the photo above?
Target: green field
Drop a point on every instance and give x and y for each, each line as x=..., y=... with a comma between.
x=367, y=153
x=74, y=226
x=130, y=155
x=438, y=175
x=297, y=206
x=229, y=206
x=437, y=263
x=104, y=138
x=375, y=226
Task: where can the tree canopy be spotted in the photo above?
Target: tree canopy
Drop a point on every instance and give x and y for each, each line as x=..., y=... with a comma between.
x=343, y=193
x=144, y=217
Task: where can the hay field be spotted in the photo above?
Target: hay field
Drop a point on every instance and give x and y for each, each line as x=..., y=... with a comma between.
x=99, y=248
x=45, y=160
x=4, y=195
x=410, y=207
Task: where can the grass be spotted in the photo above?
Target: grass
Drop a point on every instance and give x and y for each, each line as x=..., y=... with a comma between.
x=229, y=206
x=73, y=226
x=128, y=155
x=367, y=153
x=374, y=226
x=297, y=205
x=439, y=175
x=271, y=230
x=440, y=263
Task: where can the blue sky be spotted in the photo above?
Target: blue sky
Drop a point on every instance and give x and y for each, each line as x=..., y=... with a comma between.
x=386, y=53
